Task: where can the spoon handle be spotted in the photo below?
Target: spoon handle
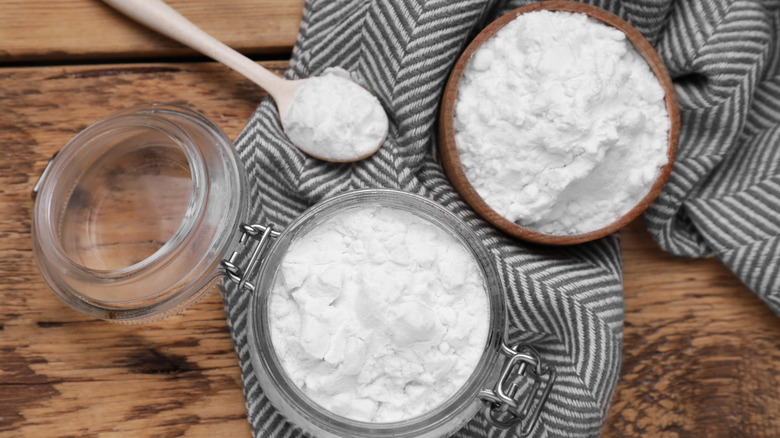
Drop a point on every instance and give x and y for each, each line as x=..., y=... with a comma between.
x=157, y=15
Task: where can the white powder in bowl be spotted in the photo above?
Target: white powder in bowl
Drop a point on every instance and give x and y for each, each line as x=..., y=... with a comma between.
x=560, y=124
x=333, y=118
x=378, y=315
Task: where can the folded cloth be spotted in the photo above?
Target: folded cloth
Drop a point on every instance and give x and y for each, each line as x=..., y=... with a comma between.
x=723, y=197
x=567, y=302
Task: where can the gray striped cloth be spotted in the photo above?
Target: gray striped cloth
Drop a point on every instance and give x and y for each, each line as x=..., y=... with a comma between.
x=567, y=302
x=723, y=197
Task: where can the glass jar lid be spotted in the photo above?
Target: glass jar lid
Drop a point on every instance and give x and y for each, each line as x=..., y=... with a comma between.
x=134, y=214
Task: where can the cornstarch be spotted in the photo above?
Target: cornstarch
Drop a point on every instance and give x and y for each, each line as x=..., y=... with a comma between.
x=560, y=124
x=378, y=315
x=333, y=118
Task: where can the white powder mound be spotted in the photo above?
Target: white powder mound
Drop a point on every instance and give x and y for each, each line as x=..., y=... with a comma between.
x=333, y=118
x=560, y=124
x=378, y=315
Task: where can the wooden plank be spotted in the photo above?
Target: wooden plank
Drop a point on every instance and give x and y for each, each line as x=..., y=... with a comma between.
x=33, y=30
x=702, y=354
x=65, y=374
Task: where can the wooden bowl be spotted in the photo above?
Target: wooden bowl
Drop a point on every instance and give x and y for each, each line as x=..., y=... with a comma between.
x=449, y=151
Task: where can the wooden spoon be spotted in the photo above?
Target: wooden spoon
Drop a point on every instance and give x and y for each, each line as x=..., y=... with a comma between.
x=157, y=15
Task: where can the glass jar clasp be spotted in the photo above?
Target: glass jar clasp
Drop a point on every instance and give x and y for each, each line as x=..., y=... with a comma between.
x=262, y=235
x=521, y=391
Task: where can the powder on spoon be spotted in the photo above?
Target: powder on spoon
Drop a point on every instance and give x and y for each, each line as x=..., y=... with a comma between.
x=560, y=124
x=378, y=315
x=333, y=118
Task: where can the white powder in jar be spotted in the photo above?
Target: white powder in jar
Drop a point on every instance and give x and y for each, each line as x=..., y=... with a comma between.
x=333, y=118
x=560, y=124
x=378, y=315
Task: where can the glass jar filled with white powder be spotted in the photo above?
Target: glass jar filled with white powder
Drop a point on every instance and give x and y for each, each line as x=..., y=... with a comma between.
x=378, y=313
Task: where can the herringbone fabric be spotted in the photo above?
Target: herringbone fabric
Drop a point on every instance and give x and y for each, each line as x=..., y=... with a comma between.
x=723, y=197
x=567, y=302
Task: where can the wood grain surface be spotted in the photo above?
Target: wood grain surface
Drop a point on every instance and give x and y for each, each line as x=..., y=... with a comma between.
x=42, y=30
x=701, y=353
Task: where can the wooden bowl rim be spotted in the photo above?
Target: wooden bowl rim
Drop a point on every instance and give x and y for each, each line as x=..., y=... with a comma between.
x=451, y=158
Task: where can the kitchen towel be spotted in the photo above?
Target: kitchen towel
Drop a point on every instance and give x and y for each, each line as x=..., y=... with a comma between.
x=568, y=301
x=723, y=197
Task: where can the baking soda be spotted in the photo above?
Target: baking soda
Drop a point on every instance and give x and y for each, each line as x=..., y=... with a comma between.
x=378, y=315
x=333, y=118
x=560, y=124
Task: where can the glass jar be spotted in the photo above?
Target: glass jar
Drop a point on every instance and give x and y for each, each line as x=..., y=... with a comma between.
x=134, y=220
x=134, y=214
x=497, y=381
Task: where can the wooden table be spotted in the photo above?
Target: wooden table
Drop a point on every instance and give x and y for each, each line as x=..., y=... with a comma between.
x=702, y=353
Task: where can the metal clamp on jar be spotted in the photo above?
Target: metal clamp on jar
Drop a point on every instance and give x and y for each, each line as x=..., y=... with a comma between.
x=134, y=220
